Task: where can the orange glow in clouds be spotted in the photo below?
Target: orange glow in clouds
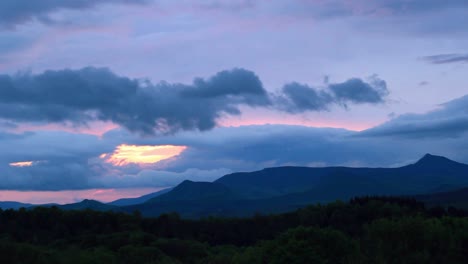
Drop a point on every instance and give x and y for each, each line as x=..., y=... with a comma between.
x=127, y=154
x=21, y=164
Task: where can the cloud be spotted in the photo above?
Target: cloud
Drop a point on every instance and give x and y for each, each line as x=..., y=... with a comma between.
x=89, y=94
x=300, y=98
x=421, y=17
x=250, y=148
x=296, y=98
x=60, y=160
x=80, y=96
x=446, y=58
x=357, y=91
x=229, y=5
x=15, y=12
x=208, y=155
x=57, y=164
x=238, y=82
x=416, y=6
x=450, y=120
x=326, y=9
x=58, y=174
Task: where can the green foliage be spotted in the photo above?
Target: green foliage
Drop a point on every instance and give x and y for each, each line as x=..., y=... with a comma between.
x=365, y=230
x=305, y=245
x=417, y=240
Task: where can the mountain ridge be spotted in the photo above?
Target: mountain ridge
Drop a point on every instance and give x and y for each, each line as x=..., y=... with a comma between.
x=138, y=200
x=284, y=188
x=278, y=189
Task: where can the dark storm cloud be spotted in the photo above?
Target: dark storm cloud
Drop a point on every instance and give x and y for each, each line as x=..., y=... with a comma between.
x=14, y=12
x=304, y=98
x=357, y=91
x=81, y=96
x=299, y=97
x=449, y=121
x=446, y=58
x=238, y=82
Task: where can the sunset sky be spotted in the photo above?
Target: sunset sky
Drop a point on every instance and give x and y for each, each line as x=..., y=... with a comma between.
x=119, y=98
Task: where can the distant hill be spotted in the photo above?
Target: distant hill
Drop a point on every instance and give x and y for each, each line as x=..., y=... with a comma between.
x=90, y=204
x=274, y=190
x=200, y=191
x=191, y=199
x=13, y=205
x=138, y=200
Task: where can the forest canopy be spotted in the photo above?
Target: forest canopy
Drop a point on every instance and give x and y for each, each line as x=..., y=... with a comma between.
x=364, y=230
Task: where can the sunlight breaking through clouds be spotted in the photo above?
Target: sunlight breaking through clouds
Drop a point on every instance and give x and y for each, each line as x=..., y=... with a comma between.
x=22, y=164
x=146, y=154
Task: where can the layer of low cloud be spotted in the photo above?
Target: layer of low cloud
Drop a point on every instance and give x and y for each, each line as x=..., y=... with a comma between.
x=450, y=120
x=15, y=12
x=89, y=94
x=447, y=58
x=60, y=160
x=212, y=154
x=59, y=165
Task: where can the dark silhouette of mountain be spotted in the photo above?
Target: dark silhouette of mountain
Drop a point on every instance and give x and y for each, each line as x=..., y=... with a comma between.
x=427, y=174
x=281, y=189
x=89, y=204
x=273, y=181
x=191, y=199
x=13, y=205
x=200, y=191
x=274, y=190
x=138, y=200
x=438, y=163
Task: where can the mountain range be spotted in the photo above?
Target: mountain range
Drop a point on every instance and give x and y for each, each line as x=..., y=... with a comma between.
x=433, y=179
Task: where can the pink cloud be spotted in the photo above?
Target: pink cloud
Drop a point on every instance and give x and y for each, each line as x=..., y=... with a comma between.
x=267, y=117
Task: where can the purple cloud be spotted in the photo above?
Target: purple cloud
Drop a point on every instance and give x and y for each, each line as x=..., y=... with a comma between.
x=15, y=12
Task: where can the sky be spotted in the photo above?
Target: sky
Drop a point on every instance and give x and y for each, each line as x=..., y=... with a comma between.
x=119, y=98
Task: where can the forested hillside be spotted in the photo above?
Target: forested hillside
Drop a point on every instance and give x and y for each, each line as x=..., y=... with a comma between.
x=364, y=230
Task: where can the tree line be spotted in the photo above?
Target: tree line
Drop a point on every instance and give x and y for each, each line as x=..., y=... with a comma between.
x=363, y=230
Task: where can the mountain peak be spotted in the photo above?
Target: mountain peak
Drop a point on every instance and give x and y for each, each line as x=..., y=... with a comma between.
x=435, y=161
x=89, y=201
